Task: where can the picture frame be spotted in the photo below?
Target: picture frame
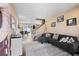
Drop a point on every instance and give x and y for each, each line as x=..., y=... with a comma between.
x=60, y=18
x=71, y=22
x=53, y=24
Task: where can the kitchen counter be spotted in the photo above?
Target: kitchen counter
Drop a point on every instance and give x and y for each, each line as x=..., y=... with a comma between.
x=16, y=36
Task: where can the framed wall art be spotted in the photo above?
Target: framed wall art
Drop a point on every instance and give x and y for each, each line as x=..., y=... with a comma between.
x=60, y=18
x=71, y=22
x=53, y=24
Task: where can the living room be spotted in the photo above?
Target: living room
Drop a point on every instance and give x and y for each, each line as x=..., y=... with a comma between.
x=40, y=29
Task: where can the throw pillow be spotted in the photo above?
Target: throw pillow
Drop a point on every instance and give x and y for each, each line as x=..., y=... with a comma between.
x=48, y=35
x=62, y=39
x=66, y=39
x=71, y=40
x=55, y=36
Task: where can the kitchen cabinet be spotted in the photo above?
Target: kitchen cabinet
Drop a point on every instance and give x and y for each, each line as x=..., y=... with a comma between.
x=16, y=46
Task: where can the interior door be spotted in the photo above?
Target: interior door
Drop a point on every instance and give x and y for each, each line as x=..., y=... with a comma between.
x=0, y=19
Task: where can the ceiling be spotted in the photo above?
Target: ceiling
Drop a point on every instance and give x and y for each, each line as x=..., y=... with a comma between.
x=31, y=11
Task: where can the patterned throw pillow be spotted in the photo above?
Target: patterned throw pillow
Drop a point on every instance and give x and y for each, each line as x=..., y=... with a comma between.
x=67, y=40
x=64, y=39
x=71, y=40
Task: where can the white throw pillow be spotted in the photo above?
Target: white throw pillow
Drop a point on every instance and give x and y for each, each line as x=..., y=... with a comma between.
x=55, y=36
x=71, y=40
x=62, y=39
x=66, y=39
x=47, y=35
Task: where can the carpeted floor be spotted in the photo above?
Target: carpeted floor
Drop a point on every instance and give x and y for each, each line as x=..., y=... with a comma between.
x=38, y=49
